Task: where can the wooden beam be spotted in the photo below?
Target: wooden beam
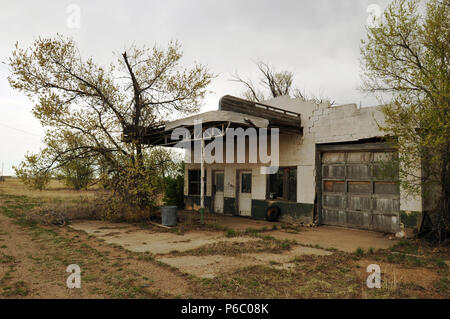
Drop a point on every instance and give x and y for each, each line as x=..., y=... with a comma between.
x=277, y=117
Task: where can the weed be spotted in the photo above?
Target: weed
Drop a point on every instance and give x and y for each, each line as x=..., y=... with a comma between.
x=18, y=289
x=6, y=259
x=359, y=252
x=230, y=233
x=442, y=285
x=440, y=262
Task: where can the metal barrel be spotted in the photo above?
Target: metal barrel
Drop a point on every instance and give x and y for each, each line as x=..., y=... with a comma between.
x=169, y=215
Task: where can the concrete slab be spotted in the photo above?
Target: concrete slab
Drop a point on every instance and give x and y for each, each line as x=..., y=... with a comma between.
x=213, y=265
x=208, y=266
x=139, y=240
x=288, y=255
x=343, y=239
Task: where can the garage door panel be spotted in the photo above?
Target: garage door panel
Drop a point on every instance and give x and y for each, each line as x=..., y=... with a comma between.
x=359, y=219
x=358, y=157
x=358, y=171
x=384, y=204
x=383, y=156
x=359, y=203
x=385, y=223
x=334, y=186
x=333, y=157
x=334, y=201
x=333, y=171
x=360, y=187
x=353, y=196
x=334, y=217
x=391, y=188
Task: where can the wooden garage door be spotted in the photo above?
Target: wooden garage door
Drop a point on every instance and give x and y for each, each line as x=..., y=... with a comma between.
x=358, y=192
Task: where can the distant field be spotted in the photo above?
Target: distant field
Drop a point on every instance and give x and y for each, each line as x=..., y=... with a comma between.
x=55, y=190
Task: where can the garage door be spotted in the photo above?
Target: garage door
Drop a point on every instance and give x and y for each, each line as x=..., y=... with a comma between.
x=358, y=190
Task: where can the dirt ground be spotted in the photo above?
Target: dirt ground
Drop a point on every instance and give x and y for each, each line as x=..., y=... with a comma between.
x=339, y=238
x=226, y=258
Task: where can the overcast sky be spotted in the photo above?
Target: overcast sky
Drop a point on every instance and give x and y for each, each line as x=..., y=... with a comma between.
x=318, y=40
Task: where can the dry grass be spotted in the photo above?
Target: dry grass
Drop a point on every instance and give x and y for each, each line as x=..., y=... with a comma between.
x=237, y=248
x=33, y=259
x=57, y=204
x=56, y=190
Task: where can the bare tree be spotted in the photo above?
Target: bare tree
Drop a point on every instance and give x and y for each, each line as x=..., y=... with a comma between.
x=275, y=83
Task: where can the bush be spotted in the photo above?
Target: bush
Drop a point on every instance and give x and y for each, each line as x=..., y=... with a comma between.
x=78, y=173
x=359, y=252
x=30, y=174
x=174, y=187
x=174, y=191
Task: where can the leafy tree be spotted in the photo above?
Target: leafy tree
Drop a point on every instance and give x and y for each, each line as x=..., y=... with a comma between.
x=85, y=107
x=30, y=174
x=272, y=84
x=78, y=173
x=406, y=59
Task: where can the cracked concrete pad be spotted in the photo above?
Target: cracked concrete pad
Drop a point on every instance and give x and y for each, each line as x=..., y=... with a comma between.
x=208, y=266
x=213, y=265
x=288, y=255
x=139, y=240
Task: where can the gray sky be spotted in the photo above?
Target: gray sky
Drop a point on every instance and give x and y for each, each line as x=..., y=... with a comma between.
x=316, y=39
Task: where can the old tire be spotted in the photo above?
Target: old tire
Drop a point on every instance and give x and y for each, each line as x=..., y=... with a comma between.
x=272, y=213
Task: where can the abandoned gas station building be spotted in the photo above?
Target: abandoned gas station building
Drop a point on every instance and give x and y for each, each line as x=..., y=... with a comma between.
x=327, y=171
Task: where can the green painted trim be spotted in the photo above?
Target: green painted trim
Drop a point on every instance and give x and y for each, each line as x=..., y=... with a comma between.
x=299, y=211
x=229, y=205
x=259, y=208
x=411, y=219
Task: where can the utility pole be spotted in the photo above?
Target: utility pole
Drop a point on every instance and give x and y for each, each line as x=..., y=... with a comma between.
x=202, y=181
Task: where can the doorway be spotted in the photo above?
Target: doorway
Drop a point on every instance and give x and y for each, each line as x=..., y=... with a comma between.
x=218, y=188
x=245, y=193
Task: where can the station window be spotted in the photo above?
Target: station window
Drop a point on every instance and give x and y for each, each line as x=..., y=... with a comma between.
x=194, y=182
x=283, y=184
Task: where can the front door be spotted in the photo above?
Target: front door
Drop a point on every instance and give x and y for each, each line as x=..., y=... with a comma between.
x=245, y=193
x=218, y=191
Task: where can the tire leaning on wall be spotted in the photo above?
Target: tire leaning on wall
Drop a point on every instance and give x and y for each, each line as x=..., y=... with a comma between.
x=272, y=213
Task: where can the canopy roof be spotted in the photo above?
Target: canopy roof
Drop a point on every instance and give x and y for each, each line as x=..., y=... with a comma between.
x=233, y=112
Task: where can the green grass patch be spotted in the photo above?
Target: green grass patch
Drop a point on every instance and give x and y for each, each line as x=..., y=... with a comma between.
x=20, y=288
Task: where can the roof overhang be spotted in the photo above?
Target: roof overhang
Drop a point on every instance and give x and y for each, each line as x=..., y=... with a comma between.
x=233, y=112
x=218, y=117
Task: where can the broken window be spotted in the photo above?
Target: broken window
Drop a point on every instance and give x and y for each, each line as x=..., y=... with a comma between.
x=194, y=182
x=219, y=182
x=283, y=184
x=246, y=183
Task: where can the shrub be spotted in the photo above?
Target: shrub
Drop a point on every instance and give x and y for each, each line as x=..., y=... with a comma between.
x=359, y=252
x=174, y=191
x=30, y=173
x=77, y=173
